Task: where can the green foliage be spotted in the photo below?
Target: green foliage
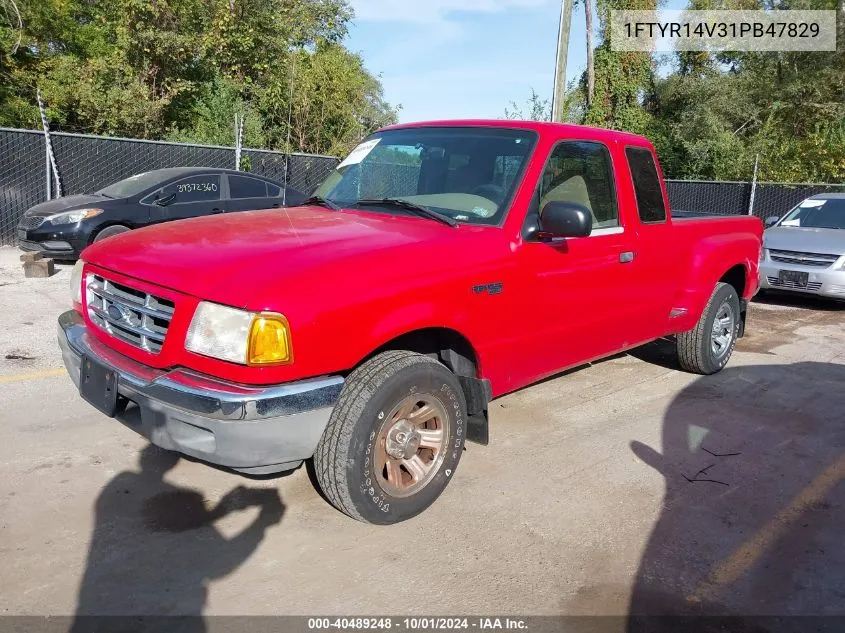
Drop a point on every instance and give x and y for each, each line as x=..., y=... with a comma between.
x=331, y=101
x=714, y=114
x=213, y=117
x=536, y=109
x=621, y=79
x=181, y=69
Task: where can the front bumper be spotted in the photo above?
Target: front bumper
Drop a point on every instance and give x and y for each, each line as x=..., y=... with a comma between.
x=252, y=429
x=823, y=282
x=56, y=249
x=60, y=242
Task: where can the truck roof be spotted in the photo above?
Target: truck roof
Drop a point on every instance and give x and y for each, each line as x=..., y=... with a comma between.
x=537, y=126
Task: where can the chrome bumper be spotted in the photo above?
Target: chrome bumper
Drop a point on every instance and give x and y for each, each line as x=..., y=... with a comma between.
x=254, y=429
x=823, y=282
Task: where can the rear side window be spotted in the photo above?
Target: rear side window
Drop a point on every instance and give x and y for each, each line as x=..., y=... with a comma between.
x=273, y=191
x=245, y=187
x=194, y=189
x=646, y=185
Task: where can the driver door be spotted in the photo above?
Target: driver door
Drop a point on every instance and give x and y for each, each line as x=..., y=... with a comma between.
x=578, y=290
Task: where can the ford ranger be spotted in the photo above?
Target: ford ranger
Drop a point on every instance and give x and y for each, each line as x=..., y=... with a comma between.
x=439, y=266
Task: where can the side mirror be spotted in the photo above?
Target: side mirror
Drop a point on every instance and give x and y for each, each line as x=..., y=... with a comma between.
x=566, y=219
x=772, y=220
x=163, y=202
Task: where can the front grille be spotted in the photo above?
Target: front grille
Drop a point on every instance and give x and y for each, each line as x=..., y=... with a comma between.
x=821, y=260
x=131, y=315
x=29, y=222
x=812, y=286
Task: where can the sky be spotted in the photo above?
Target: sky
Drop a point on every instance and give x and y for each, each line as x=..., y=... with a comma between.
x=444, y=59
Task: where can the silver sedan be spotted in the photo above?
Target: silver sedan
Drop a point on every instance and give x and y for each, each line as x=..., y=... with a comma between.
x=804, y=251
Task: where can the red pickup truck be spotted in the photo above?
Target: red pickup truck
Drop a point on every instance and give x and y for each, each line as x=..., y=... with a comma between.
x=439, y=266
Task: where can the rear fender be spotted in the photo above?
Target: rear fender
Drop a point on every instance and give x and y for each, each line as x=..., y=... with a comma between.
x=712, y=258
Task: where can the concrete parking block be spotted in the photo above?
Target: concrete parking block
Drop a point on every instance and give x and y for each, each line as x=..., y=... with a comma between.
x=31, y=256
x=39, y=268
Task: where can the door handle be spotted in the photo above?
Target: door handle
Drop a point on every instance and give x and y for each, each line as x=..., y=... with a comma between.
x=626, y=257
x=217, y=210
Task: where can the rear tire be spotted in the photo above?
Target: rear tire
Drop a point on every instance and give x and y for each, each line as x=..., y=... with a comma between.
x=707, y=347
x=394, y=438
x=111, y=231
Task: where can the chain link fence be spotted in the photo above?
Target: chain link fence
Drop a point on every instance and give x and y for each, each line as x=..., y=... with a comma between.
x=734, y=198
x=87, y=163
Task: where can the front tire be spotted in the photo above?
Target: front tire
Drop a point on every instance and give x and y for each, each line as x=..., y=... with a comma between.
x=111, y=231
x=394, y=438
x=707, y=347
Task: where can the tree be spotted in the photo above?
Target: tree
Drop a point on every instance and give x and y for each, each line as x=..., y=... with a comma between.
x=329, y=98
x=621, y=78
x=180, y=69
x=720, y=111
x=536, y=109
x=714, y=113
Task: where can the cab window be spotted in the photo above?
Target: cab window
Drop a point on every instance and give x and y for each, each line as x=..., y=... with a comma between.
x=649, y=194
x=581, y=172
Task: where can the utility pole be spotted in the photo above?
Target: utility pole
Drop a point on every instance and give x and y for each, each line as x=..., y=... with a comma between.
x=560, y=60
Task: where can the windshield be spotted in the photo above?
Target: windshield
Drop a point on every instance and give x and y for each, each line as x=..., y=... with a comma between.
x=132, y=186
x=817, y=214
x=466, y=173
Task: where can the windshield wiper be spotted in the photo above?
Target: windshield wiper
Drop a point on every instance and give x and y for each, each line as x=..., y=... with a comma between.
x=323, y=202
x=417, y=209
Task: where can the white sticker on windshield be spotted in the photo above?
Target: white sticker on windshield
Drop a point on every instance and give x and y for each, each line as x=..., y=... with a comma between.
x=812, y=203
x=359, y=153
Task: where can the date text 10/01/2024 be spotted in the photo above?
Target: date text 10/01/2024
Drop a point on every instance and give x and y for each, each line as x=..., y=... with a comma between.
x=420, y=623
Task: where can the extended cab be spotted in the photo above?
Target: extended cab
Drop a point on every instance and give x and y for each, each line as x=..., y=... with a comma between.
x=439, y=266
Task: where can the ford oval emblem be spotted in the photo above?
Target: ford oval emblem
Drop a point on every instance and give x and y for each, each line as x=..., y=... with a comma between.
x=115, y=313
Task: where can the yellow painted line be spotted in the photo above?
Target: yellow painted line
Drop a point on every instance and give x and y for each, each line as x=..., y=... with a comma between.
x=32, y=375
x=733, y=567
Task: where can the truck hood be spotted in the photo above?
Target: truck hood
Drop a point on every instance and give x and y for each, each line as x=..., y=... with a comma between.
x=805, y=240
x=236, y=257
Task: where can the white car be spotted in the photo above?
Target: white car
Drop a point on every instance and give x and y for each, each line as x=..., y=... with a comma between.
x=804, y=251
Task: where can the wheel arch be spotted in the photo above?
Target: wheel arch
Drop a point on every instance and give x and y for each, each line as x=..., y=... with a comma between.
x=459, y=355
x=106, y=225
x=709, y=269
x=736, y=276
x=448, y=345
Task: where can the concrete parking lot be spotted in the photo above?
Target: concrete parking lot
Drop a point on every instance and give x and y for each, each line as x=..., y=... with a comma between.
x=626, y=486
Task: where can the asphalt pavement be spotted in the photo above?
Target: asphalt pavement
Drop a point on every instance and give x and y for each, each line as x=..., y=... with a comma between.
x=626, y=486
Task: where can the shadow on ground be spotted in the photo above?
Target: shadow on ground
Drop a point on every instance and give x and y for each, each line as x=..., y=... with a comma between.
x=796, y=300
x=155, y=547
x=662, y=352
x=751, y=523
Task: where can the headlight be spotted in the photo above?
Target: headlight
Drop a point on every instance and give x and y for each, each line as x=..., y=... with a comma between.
x=76, y=281
x=72, y=217
x=238, y=336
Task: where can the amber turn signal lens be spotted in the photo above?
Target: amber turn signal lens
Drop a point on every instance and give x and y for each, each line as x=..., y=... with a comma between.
x=269, y=340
